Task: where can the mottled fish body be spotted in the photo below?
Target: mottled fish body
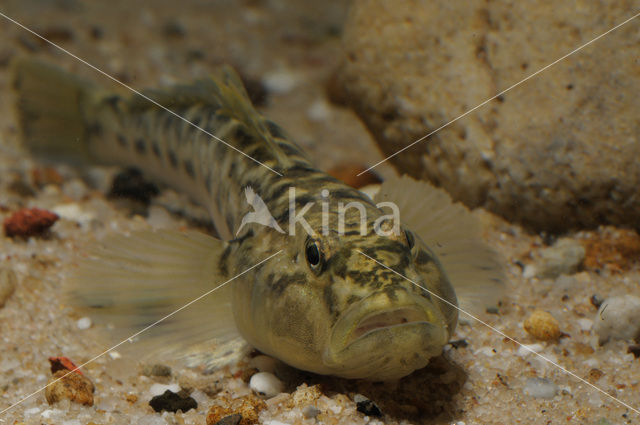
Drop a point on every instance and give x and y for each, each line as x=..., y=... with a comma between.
x=336, y=299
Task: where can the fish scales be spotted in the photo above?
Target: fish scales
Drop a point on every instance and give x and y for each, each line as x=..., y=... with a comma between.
x=320, y=303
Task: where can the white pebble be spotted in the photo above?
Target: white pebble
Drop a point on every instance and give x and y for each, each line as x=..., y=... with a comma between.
x=319, y=111
x=159, y=217
x=274, y=422
x=618, y=318
x=280, y=81
x=359, y=398
x=263, y=363
x=84, y=323
x=564, y=257
x=523, y=351
x=73, y=212
x=75, y=189
x=485, y=351
x=158, y=389
x=591, y=362
x=114, y=355
x=32, y=411
x=529, y=271
x=266, y=384
x=585, y=324
x=50, y=413
x=200, y=397
x=540, y=388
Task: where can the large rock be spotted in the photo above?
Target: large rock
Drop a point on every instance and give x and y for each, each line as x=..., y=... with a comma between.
x=559, y=151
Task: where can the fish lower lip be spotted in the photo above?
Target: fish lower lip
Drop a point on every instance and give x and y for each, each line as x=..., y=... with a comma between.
x=386, y=319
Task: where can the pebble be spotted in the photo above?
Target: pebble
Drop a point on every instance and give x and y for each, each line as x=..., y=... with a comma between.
x=368, y=408
x=618, y=318
x=310, y=411
x=266, y=384
x=159, y=217
x=349, y=173
x=8, y=283
x=523, y=351
x=280, y=81
x=29, y=222
x=540, y=388
x=84, y=323
x=74, y=386
x=263, y=363
x=74, y=212
x=172, y=402
x=564, y=257
x=248, y=407
x=585, y=324
x=543, y=326
x=230, y=420
x=157, y=389
x=75, y=189
x=157, y=369
x=319, y=110
x=131, y=184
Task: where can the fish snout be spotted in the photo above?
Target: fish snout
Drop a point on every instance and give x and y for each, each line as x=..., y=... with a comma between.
x=397, y=333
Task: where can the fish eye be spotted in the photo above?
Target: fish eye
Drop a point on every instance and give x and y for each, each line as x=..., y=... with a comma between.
x=410, y=240
x=313, y=254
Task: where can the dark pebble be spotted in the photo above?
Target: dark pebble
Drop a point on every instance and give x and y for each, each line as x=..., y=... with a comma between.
x=459, y=343
x=368, y=408
x=172, y=402
x=173, y=29
x=21, y=188
x=230, y=420
x=596, y=301
x=635, y=350
x=130, y=184
x=157, y=370
x=493, y=310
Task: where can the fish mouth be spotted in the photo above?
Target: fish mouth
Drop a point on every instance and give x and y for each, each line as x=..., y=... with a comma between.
x=398, y=337
x=386, y=319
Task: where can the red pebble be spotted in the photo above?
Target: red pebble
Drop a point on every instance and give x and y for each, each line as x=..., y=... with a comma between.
x=62, y=363
x=29, y=222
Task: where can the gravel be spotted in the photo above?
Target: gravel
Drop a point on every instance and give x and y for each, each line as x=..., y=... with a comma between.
x=618, y=318
x=266, y=384
x=564, y=257
x=540, y=388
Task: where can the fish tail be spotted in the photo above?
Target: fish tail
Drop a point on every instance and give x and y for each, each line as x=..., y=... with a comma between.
x=51, y=107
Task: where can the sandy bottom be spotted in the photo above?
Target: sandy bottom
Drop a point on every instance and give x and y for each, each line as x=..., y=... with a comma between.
x=292, y=48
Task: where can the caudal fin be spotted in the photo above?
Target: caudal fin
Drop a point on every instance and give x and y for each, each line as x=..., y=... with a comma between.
x=51, y=106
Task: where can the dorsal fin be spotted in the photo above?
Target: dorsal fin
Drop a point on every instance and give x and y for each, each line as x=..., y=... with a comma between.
x=235, y=102
x=224, y=92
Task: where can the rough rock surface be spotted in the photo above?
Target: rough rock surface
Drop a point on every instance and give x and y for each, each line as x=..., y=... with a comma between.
x=557, y=152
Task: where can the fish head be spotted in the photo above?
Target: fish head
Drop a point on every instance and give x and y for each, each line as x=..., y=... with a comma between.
x=397, y=308
x=369, y=306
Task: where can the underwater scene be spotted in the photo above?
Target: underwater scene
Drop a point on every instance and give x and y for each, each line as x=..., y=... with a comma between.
x=281, y=212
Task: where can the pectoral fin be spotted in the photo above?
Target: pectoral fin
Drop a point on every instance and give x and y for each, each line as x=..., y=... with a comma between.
x=453, y=233
x=148, y=278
